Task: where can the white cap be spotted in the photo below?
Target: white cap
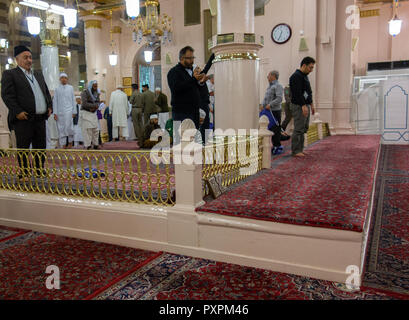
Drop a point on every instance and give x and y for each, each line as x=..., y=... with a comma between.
x=77, y=97
x=63, y=74
x=119, y=86
x=202, y=114
x=154, y=116
x=157, y=89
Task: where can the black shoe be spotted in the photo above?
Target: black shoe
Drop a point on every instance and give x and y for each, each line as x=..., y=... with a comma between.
x=285, y=138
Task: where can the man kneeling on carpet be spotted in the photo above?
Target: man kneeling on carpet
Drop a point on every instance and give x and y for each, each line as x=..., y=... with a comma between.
x=149, y=128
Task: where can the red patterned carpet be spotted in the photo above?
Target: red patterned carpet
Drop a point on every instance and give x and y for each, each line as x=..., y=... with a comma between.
x=7, y=233
x=330, y=188
x=174, y=277
x=85, y=266
x=91, y=270
x=387, y=264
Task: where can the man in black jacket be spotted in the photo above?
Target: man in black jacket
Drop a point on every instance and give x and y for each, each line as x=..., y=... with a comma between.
x=26, y=95
x=301, y=104
x=184, y=82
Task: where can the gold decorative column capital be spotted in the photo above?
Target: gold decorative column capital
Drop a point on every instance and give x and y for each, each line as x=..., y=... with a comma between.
x=116, y=29
x=96, y=24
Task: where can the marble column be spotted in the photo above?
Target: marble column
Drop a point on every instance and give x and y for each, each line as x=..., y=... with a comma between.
x=50, y=65
x=114, y=76
x=236, y=66
x=334, y=66
x=73, y=70
x=93, y=47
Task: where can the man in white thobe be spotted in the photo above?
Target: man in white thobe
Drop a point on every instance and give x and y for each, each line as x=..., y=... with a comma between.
x=118, y=108
x=52, y=132
x=64, y=109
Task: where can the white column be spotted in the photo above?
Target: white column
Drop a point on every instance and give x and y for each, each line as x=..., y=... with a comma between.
x=235, y=16
x=94, y=50
x=73, y=70
x=182, y=220
x=4, y=132
x=237, y=66
x=334, y=66
x=50, y=66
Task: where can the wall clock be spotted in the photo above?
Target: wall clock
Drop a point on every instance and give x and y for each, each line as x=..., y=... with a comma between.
x=281, y=33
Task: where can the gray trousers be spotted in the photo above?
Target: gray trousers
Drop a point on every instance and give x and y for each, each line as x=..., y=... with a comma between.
x=301, y=126
x=137, y=119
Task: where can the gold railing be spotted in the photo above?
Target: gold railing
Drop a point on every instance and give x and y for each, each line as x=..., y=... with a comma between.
x=127, y=176
x=233, y=158
x=325, y=130
x=312, y=134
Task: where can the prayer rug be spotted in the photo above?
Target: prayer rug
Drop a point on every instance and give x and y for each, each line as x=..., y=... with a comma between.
x=330, y=188
x=387, y=260
x=174, y=277
x=85, y=267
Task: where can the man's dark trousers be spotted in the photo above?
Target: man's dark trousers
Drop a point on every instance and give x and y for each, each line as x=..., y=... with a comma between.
x=31, y=132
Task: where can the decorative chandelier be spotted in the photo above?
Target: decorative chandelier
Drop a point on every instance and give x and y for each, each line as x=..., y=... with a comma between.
x=154, y=27
x=395, y=25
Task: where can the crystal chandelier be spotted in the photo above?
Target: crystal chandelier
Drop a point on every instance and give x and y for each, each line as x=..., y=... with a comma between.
x=154, y=27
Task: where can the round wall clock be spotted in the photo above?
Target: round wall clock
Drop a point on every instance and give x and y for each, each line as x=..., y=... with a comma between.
x=281, y=33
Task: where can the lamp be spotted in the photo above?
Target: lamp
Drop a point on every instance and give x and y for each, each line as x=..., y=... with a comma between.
x=395, y=25
x=70, y=18
x=113, y=59
x=4, y=43
x=10, y=61
x=33, y=24
x=56, y=9
x=132, y=8
x=35, y=4
x=65, y=32
x=148, y=54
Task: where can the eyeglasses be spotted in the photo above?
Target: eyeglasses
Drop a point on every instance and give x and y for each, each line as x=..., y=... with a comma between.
x=189, y=58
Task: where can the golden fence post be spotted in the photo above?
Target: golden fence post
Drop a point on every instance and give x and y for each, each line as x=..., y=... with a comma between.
x=319, y=123
x=267, y=143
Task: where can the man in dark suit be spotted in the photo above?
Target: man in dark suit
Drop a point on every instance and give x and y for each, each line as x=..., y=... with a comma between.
x=26, y=95
x=184, y=82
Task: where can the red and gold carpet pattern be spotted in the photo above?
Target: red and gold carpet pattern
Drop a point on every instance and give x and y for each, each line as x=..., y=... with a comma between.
x=387, y=264
x=329, y=188
x=85, y=266
x=91, y=270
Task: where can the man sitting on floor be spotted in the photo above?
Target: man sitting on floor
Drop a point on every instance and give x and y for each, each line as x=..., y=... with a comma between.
x=149, y=128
